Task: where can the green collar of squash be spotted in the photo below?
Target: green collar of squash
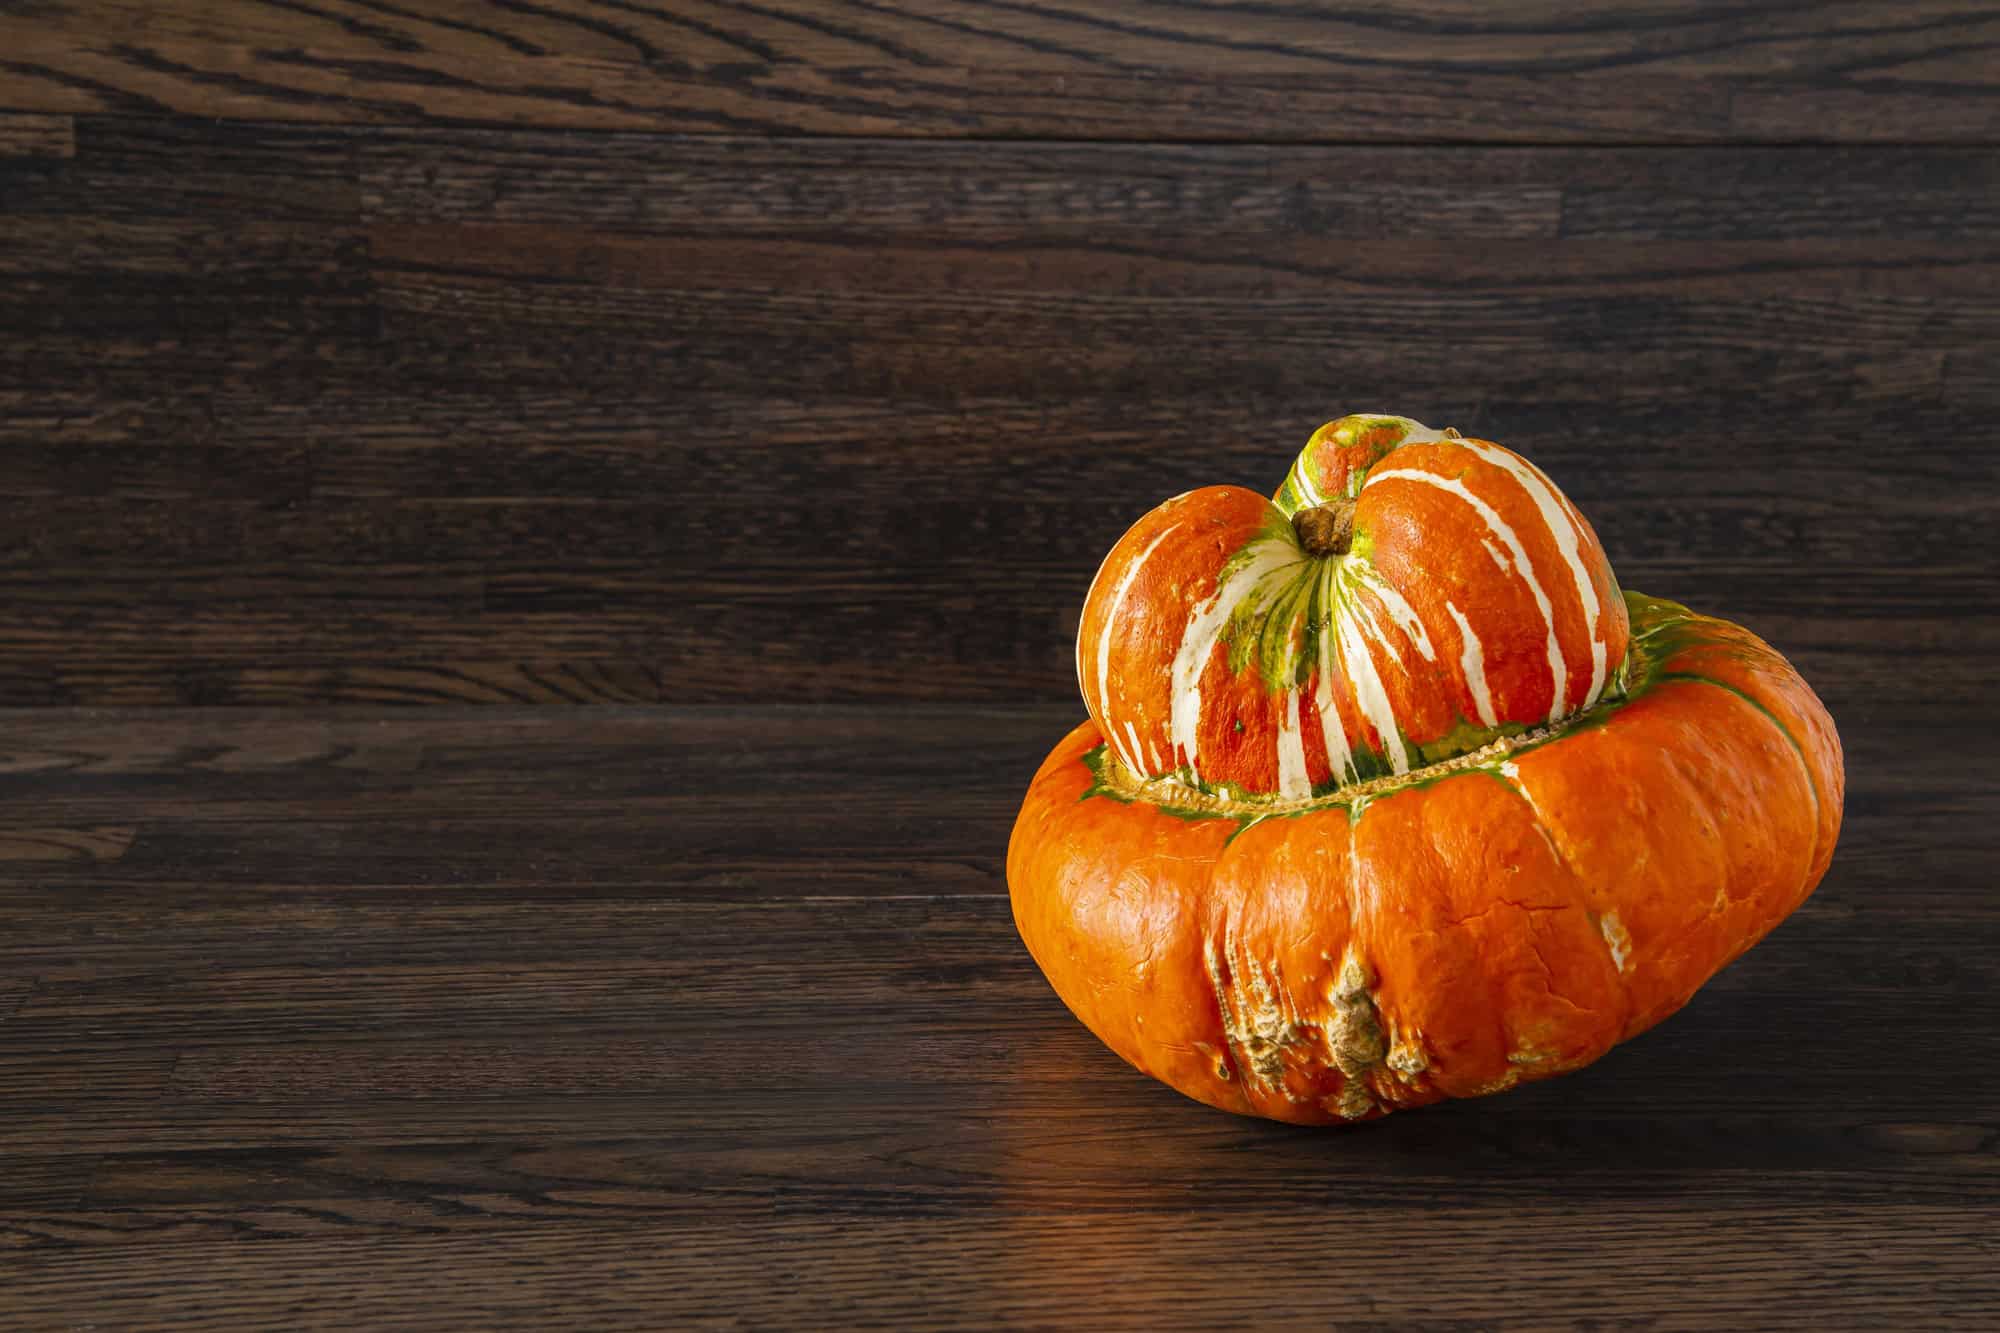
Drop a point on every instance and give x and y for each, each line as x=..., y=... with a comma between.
x=1660, y=630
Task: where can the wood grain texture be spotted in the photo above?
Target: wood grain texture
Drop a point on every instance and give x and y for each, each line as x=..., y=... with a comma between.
x=381, y=382
x=327, y=1027
x=301, y=413
x=28, y=135
x=720, y=1273
x=1590, y=70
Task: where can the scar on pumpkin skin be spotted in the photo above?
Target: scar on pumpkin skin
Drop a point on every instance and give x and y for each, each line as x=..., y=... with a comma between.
x=1254, y=1025
x=1257, y=1031
x=1616, y=939
x=1407, y=1056
x=1216, y=983
x=1533, y=1057
x=1354, y=1034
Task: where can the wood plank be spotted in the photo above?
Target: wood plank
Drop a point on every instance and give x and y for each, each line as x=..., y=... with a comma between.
x=148, y=282
x=101, y=842
x=177, y=930
x=218, y=170
x=1093, y=1097
x=722, y=849
x=854, y=847
x=38, y=1183
x=241, y=813
x=1690, y=37
x=26, y=135
x=1769, y=194
x=242, y=259
x=418, y=258
x=683, y=1002
x=1579, y=69
x=1864, y=664
x=468, y=588
x=565, y=276
x=142, y=681
x=368, y=596
x=237, y=479
x=653, y=1085
x=1871, y=111
x=611, y=549
x=990, y=192
x=47, y=1074
x=200, y=75
x=1032, y=1148
x=942, y=191
x=1067, y=324
x=1923, y=1264
x=978, y=369
x=219, y=758
x=465, y=1185
x=348, y=1069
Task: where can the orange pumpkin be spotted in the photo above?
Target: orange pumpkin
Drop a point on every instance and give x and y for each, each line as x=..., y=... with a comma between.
x=1389, y=795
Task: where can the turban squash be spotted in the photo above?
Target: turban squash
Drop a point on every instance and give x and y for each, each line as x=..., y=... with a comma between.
x=1388, y=794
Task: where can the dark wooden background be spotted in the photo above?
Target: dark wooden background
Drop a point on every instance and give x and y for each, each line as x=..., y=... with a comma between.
x=538, y=551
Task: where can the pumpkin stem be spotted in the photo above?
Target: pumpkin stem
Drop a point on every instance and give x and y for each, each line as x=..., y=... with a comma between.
x=1326, y=529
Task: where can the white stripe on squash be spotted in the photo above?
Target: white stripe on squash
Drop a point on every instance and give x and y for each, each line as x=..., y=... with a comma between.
x=1339, y=756
x=1472, y=661
x=1403, y=615
x=1562, y=527
x=1366, y=677
x=1499, y=528
x=1292, y=779
x=1132, y=733
x=1202, y=633
x=1104, y=650
x=1303, y=483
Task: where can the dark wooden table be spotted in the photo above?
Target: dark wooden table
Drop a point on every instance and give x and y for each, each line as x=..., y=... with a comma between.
x=540, y=550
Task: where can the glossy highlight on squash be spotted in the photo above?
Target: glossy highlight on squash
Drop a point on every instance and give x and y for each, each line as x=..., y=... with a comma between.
x=1297, y=866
